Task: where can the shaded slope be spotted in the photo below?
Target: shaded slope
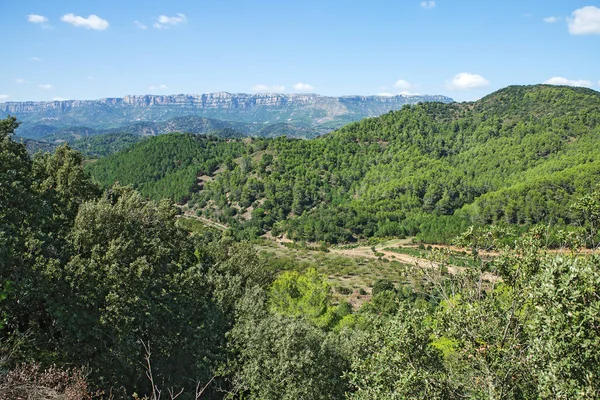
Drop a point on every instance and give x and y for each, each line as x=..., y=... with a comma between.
x=166, y=165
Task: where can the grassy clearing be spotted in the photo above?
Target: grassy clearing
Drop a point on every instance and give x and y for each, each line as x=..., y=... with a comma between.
x=351, y=278
x=455, y=258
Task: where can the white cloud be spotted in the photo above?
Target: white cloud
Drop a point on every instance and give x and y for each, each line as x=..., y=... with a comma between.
x=157, y=87
x=402, y=84
x=265, y=88
x=4, y=96
x=585, y=21
x=36, y=59
x=140, y=25
x=465, y=80
x=91, y=78
x=46, y=86
x=428, y=4
x=551, y=20
x=91, y=22
x=20, y=81
x=305, y=87
x=164, y=22
x=402, y=93
x=59, y=99
x=559, y=80
x=37, y=19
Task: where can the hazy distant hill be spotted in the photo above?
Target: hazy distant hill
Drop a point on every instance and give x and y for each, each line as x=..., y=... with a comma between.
x=314, y=114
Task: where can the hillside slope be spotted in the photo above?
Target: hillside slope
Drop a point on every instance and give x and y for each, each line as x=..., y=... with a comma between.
x=520, y=155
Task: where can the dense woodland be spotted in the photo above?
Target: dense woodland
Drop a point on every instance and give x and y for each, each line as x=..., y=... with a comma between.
x=519, y=157
x=104, y=294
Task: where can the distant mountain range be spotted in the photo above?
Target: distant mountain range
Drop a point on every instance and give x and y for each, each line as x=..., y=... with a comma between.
x=295, y=115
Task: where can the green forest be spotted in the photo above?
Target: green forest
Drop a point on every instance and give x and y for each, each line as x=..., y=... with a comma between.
x=109, y=291
x=517, y=157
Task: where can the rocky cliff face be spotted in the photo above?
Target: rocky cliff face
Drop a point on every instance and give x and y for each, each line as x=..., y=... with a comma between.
x=306, y=109
x=221, y=100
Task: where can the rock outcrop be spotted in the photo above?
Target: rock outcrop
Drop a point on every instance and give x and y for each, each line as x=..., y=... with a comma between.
x=322, y=113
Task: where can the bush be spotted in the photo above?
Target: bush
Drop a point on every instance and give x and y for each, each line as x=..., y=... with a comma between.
x=343, y=290
x=382, y=285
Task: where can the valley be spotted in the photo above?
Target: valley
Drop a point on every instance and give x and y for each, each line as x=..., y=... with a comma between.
x=300, y=200
x=463, y=229
x=429, y=171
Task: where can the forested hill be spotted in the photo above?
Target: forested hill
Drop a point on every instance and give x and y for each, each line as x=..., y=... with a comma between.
x=518, y=156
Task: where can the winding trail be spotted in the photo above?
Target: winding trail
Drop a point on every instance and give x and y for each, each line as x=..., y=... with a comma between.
x=189, y=214
x=357, y=252
x=366, y=252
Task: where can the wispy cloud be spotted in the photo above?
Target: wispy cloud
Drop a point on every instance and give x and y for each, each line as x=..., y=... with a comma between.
x=266, y=88
x=4, y=96
x=407, y=93
x=551, y=20
x=91, y=22
x=20, y=81
x=585, y=21
x=559, y=80
x=402, y=93
x=303, y=87
x=164, y=21
x=46, y=86
x=37, y=59
x=465, y=81
x=139, y=25
x=162, y=87
x=402, y=84
x=428, y=4
x=38, y=19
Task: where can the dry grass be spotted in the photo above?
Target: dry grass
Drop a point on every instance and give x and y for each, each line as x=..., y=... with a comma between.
x=348, y=275
x=31, y=382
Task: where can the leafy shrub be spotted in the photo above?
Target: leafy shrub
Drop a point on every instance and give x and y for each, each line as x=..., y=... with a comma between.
x=344, y=290
x=382, y=285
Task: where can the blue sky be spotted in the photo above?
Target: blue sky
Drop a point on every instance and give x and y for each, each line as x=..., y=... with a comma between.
x=75, y=49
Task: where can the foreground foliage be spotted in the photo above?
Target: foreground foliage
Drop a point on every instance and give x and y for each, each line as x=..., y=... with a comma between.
x=108, y=283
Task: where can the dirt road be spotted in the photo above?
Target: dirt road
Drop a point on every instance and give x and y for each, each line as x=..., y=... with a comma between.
x=357, y=252
x=367, y=252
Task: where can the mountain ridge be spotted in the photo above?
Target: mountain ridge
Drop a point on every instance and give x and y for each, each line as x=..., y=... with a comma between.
x=208, y=98
x=321, y=113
